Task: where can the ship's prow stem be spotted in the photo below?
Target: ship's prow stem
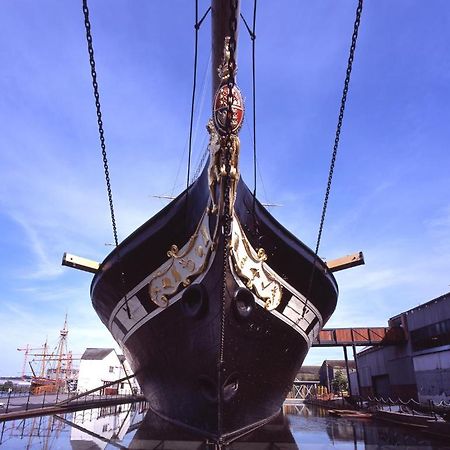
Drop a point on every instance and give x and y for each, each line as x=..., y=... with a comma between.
x=221, y=11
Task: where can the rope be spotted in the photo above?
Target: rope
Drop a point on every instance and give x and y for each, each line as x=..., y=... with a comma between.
x=253, y=37
x=194, y=86
x=251, y=32
x=336, y=144
x=176, y=185
x=199, y=24
x=200, y=164
x=443, y=403
x=101, y=133
x=204, y=137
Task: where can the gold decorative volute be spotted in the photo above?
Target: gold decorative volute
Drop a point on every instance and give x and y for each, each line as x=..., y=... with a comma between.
x=250, y=265
x=182, y=266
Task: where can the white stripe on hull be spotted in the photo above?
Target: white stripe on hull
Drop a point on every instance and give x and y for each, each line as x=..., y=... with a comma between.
x=298, y=313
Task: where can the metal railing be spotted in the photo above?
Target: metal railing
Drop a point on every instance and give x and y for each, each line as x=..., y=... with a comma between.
x=411, y=406
x=14, y=401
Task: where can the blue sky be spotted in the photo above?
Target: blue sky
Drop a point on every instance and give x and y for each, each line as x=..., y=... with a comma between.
x=391, y=191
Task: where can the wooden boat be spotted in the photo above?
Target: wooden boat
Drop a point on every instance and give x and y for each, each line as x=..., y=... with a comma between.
x=349, y=413
x=214, y=303
x=46, y=385
x=435, y=426
x=415, y=420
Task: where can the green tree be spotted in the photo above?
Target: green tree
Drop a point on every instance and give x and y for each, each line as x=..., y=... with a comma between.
x=7, y=385
x=339, y=382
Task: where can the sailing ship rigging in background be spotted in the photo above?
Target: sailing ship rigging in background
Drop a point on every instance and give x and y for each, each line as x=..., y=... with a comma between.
x=56, y=371
x=214, y=303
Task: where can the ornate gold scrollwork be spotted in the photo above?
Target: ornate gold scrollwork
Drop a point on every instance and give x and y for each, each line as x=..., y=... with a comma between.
x=251, y=265
x=214, y=164
x=223, y=71
x=182, y=266
x=217, y=167
x=224, y=143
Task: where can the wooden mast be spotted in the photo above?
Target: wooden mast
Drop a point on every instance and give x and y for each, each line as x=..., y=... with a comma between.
x=220, y=28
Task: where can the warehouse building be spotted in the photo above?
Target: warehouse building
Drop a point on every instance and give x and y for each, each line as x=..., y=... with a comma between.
x=418, y=368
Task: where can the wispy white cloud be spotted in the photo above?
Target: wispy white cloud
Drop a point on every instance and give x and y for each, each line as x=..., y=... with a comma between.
x=438, y=228
x=43, y=266
x=390, y=191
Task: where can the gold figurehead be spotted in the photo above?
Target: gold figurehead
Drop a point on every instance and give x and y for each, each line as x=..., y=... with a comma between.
x=221, y=135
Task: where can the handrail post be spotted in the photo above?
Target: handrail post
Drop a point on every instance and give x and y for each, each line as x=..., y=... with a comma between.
x=7, y=403
x=43, y=399
x=28, y=399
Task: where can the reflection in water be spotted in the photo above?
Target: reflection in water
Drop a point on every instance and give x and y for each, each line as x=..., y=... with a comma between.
x=133, y=427
x=154, y=433
x=35, y=433
x=313, y=425
x=100, y=426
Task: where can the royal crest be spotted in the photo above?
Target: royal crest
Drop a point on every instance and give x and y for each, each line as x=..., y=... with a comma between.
x=220, y=111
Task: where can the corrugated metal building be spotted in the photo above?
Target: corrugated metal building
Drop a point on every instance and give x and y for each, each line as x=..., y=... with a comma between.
x=329, y=369
x=418, y=368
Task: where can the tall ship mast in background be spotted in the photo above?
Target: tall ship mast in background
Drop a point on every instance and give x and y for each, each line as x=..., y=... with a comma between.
x=56, y=371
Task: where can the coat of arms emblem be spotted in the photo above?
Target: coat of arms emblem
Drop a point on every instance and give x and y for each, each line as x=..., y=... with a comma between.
x=221, y=110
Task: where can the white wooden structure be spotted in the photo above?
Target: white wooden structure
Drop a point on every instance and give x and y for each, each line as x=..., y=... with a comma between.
x=102, y=365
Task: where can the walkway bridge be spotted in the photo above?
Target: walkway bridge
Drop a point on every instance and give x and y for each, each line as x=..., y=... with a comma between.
x=352, y=337
x=341, y=337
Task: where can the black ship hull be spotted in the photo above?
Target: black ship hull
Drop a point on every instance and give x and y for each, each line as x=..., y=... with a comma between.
x=217, y=350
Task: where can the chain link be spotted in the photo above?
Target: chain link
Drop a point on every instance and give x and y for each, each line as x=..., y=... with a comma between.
x=227, y=217
x=341, y=117
x=101, y=133
x=336, y=142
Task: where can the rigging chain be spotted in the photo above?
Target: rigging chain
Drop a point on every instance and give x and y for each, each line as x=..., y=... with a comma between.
x=227, y=218
x=101, y=133
x=336, y=142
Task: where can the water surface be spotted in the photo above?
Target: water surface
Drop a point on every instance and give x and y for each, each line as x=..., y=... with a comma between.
x=132, y=427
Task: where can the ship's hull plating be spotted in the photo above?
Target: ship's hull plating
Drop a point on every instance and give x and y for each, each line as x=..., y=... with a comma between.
x=213, y=358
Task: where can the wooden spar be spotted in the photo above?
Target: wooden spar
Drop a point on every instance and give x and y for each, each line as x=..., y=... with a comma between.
x=346, y=262
x=220, y=28
x=32, y=370
x=77, y=262
x=171, y=197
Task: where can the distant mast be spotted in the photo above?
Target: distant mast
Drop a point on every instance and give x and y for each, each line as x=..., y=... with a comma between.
x=220, y=28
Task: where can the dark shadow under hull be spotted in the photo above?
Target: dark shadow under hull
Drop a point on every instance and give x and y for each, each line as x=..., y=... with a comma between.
x=153, y=432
